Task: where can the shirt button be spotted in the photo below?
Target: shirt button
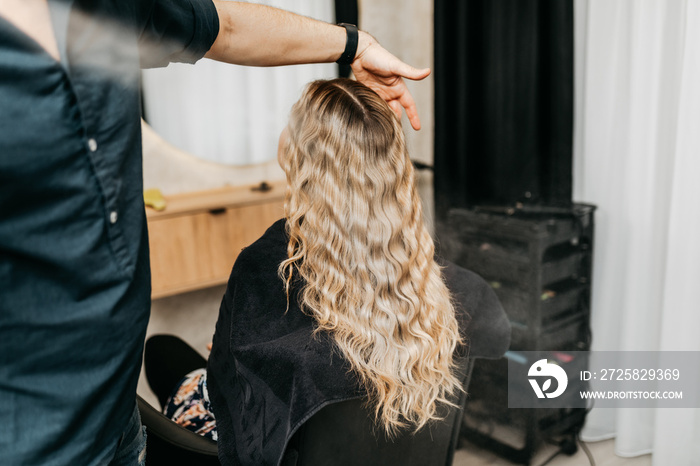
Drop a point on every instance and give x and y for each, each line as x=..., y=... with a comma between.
x=92, y=144
x=113, y=216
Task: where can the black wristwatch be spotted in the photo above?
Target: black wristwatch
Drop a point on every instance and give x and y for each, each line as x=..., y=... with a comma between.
x=350, y=45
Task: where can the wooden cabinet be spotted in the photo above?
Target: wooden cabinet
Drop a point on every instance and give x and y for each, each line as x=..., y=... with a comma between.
x=196, y=239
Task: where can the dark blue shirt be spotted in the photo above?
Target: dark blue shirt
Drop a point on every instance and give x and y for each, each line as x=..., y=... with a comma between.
x=74, y=270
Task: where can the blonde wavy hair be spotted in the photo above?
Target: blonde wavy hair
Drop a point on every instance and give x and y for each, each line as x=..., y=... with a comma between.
x=357, y=239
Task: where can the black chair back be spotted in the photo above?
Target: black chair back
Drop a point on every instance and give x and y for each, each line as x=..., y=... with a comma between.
x=345, y=434
x=340, y=434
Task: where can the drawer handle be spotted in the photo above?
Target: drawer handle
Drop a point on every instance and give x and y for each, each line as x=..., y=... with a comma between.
x=219, y=211
x=262, y=187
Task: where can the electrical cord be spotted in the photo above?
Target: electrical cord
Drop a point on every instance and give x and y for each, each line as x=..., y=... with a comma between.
x=585, y=449
x=563, y=449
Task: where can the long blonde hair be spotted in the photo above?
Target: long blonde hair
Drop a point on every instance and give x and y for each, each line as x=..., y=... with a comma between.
x=357, y=239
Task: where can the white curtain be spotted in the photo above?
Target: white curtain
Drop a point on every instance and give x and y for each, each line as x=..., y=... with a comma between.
x=226, y=113
x=637, y=156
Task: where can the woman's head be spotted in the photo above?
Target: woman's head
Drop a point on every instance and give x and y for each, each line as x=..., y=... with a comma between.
x=357, y=239
x=342, y=128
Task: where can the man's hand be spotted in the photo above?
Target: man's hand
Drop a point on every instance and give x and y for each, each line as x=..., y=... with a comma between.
x=258, y=35
x=384, y=73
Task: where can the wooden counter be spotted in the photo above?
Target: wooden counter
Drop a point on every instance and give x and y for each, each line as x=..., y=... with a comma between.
x=196, y=239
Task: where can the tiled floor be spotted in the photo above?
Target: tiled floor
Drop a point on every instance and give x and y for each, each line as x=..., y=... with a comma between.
x=603, y=454
x=192, y=316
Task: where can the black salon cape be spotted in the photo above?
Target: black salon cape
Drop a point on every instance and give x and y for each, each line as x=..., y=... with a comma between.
x=267, y=373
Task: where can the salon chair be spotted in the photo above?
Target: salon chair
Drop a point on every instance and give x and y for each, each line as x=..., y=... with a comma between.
x=341, y=434
x=167, y=442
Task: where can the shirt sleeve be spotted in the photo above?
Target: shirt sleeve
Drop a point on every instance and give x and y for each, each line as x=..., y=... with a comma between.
x=177, y=31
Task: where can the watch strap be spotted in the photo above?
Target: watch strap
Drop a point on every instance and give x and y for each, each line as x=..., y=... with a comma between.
x=348, y=55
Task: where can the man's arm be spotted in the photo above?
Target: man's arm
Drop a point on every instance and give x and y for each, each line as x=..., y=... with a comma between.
x=258, y=35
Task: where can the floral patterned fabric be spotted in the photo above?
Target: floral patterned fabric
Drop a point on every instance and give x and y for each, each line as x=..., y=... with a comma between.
x=189, y=405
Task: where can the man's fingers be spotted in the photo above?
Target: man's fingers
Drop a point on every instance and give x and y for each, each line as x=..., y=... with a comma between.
x=396, y=107
x=413, y=118
x=411, y=112
x=415, y=74
x=407, y=102
x=388, y=82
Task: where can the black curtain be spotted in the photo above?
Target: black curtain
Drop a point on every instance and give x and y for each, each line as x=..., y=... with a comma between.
x=503, y=102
